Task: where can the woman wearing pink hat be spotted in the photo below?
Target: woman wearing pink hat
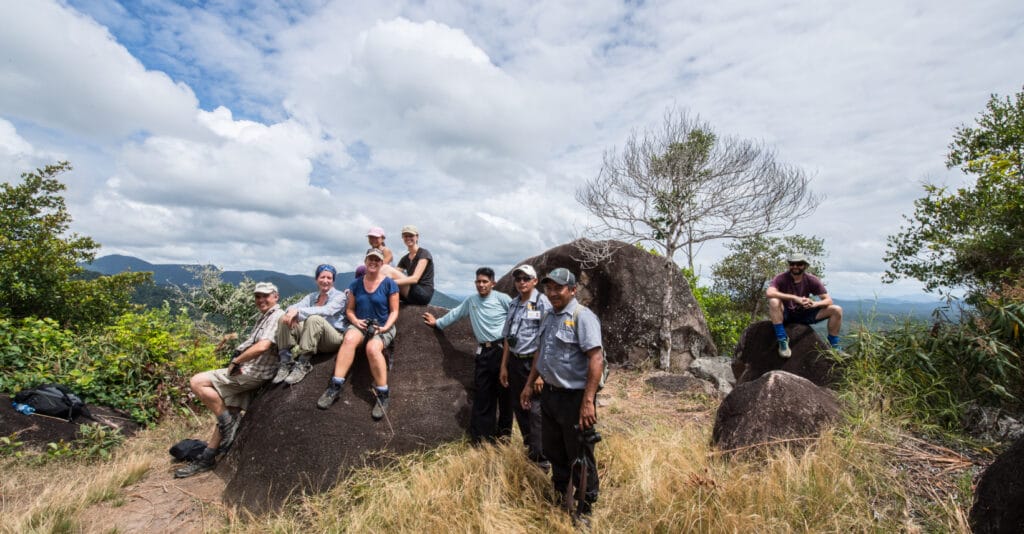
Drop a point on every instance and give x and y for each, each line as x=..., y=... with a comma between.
x=375, y=236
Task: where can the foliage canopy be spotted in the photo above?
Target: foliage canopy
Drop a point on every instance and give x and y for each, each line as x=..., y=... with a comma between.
x=972, y=237
x=39, y=272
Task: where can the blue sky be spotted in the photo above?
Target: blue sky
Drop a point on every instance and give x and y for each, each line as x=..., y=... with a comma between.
x=273, y=134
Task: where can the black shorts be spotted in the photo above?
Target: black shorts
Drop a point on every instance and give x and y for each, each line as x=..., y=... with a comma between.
x=803, y=316
x=419, y=295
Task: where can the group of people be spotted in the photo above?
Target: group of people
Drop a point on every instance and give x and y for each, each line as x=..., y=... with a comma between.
x=539, y=358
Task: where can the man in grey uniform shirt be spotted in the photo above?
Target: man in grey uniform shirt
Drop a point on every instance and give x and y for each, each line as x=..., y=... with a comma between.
x=522, y=330
x=571, y=361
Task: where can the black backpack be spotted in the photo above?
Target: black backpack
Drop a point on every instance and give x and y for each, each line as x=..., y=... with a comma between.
x=54, y=400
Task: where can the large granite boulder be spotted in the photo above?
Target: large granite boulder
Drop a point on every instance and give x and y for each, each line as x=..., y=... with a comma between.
x=625, y=290
x=285, y=444
x=999, y=498
x=776, y=406
x=758, y=353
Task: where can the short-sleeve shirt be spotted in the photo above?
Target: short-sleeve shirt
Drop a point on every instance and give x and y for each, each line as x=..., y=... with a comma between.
x=266, y=364
x=427, y=278
x=373, y=305
x=522, y=325
x=809, y=285
x=563, y=360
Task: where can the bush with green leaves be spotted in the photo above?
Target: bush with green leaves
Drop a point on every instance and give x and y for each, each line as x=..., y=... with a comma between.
x=930, y=373
x=725, y=320
x=141, y=363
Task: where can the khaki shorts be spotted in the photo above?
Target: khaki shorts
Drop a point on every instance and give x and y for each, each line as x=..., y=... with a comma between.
x=386, y=337
x=236, y=390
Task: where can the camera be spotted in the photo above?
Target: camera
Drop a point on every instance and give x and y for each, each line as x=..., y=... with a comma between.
x=371, y=328
x=588, y=435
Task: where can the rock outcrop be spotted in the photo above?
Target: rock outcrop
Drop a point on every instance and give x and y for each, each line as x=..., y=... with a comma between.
x=285, y=444
x=625, y=290
x=777, y=406
x=999, y=498
x=758, y=353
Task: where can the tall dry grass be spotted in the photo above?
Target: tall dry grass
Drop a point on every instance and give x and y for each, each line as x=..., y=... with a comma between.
x=658, y=474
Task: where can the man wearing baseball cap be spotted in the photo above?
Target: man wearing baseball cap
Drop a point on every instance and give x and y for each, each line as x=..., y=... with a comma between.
x=522, y=339
x=571, y=361
x=226, y=392
x=789, y=301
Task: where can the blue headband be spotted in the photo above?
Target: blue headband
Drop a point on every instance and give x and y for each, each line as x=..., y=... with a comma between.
x=326, y=267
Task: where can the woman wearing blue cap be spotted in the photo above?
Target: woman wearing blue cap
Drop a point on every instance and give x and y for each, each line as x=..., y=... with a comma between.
x=314, y=324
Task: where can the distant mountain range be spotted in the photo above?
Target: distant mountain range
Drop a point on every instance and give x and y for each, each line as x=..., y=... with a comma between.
x=288, y=285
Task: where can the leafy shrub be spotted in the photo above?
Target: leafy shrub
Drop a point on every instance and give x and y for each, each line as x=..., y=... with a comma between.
x=725, y=320
x=932, y=372
x=97, y=442
x=139, y=364
x=10, y=446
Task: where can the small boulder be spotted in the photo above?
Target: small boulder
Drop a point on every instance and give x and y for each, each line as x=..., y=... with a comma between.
x=717, y=370
x=776, y=406
x=999, y=498
x=758, y=351
x=679, y=383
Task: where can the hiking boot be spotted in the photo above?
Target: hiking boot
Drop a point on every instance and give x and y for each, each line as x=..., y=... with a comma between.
x=199, y=465
x=228, y=431
x=380, y=408
x=283, y=370
x=784, y=350
x=328, y=397
x=299, y=371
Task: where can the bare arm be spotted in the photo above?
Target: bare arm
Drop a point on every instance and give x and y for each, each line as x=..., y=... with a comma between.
x=392, y=312
x=414, y=277
x=595, y=366
x=350, y=313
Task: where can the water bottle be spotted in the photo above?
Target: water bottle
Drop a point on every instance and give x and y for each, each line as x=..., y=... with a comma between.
x=23, y=408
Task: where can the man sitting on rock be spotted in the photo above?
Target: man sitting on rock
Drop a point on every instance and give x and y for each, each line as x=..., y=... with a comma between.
x=789, y=301
x=226, y=392
x=487, y=310
x=316, y=324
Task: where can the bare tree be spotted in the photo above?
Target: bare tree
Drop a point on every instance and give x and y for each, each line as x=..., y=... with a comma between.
x=682, y=185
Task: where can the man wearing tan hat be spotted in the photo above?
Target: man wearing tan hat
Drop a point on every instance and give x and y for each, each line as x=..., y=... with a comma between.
x=226, y=392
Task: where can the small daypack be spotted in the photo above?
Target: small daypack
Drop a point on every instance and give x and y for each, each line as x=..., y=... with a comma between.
x=187, y=450
x=54, y=400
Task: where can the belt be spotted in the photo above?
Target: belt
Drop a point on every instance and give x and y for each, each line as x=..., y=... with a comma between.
x=489, y=344
x=525, y=356
x=557, y=389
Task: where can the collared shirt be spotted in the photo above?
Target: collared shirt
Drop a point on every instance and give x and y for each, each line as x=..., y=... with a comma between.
x=563, y=360
x=333, y=310
x=522, y=323
x=487, y=315
x=266, y=364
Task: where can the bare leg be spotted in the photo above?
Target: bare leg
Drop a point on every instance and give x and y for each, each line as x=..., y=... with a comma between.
x=834, y=314
x=775, y=310
x=378, y=365
x=202, y=386
x=347, y=352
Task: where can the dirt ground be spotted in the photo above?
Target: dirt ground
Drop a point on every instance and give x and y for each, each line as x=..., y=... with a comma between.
x=161, y=503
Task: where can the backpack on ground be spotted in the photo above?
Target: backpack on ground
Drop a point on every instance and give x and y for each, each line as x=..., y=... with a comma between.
x=54, y=400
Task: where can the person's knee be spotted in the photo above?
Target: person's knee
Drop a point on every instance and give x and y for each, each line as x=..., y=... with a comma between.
x=837, y=311
x=198, y=381
x=775, y=304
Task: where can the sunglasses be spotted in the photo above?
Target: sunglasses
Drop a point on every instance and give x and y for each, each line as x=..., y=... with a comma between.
x=522, y=278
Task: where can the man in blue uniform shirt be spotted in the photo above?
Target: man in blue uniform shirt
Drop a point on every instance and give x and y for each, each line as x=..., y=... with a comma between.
x=522, y=338
x=571, y=362
x=487, y=310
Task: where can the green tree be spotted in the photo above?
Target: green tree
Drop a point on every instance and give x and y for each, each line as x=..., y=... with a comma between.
x=724, y=319
x=972, y=237
x=39, y=272
x=744, y=274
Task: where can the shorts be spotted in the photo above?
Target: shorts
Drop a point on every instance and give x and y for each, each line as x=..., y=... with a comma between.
x=236, y=390
x=419, y=295
x=386, y=337
x=808, y=316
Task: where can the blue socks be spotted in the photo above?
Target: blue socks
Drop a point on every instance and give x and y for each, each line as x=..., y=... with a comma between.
x=834, y=342
x=381, y=389
x=780, y=331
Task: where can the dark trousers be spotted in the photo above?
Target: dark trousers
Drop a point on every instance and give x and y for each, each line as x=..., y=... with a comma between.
x=561, y=410
x=490, y=400
x=529, y=420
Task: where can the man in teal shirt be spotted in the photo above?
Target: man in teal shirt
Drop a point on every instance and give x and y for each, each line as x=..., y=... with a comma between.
x=487, y=311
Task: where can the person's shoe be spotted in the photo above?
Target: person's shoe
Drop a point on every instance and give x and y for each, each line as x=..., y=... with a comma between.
x=283, y=370
x=380, y=408
x=328, y=397
x=203, y=463
x=298, y=372
x=784, y=349
x=228, y=431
